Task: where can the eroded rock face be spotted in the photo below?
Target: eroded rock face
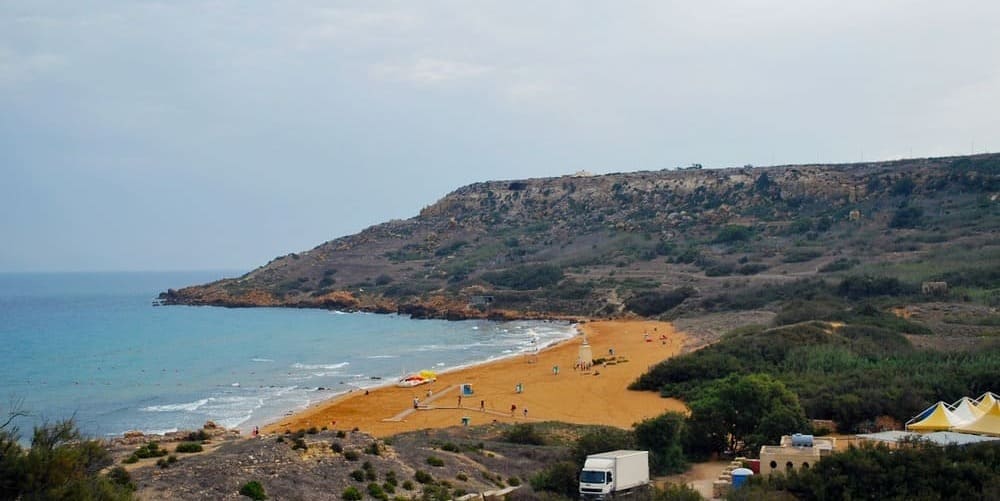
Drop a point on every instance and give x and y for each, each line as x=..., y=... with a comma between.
x=592, y=228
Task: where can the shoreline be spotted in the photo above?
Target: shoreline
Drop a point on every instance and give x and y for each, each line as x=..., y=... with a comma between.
x=548, y=393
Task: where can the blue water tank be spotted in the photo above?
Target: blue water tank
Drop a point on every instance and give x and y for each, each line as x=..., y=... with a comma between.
x=740, y=476
x=800, y=440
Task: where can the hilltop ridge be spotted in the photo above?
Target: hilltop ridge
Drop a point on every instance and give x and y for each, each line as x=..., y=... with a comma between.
x=652, y=243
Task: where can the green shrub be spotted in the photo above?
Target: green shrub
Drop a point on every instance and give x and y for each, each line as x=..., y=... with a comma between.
x=841, y=264
x=450, y=447
x=907, y=217
x=373, y=449
x=523, y=433
x=801, y=255
x=422, y=476
x=336, y=447
x=132, y=459
x=525, y=277
x=300, y=443
x=733, y=233
x=189, y=447
x=198, y=436
x=253, y=490
x=462, y=477
x=121, y=476
x=351, y=455
x=652, y=303
x=351, y=494
x=150, y=450
x=435, y=461
x=408, y=485
x=514, y=481
x=559, y=478
x=375, y=491
x=358, y=475
x=341, y=434
x=312, y=430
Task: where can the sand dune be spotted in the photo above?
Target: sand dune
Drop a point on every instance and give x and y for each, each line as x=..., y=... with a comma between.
x=595, y=397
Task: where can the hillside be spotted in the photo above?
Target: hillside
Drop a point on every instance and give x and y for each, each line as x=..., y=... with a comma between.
x=659, y=244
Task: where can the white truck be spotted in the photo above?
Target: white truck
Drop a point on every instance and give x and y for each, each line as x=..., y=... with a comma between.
x=610, y=474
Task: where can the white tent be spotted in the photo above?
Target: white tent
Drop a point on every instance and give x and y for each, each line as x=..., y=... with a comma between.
x=966, y=410
x=987, y=424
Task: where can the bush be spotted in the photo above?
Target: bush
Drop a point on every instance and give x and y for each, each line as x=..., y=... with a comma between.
x=253, y=490
x=450, y=447
x=358, y=475
x=462, y=477
x=514, y=481
x=652, y=303
x=421, y=476
x=605, y=438
x=341, y=434
x=559, y=478
x=373, y=449
x=907, y=217
x=121, y=476
x=408, y=485
x=523, y=434
x=733, y=233
x=351, y=494
x=312, y=430
x=336, y=447
x=841, y=264
x=189, y=447
x=351, y=455
x=375, y=491
x=525, y=277
x=435, y=461
x=300, y=443
x=801, y=255
x=150, y=450
x=198, y=436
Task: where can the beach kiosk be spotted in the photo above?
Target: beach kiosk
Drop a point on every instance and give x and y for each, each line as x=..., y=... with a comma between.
x=585, y=357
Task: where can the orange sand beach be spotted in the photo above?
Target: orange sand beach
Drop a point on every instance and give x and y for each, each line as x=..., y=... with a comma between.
x=597, y=396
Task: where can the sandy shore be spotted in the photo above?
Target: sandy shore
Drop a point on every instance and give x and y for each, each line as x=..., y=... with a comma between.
x=595, y=397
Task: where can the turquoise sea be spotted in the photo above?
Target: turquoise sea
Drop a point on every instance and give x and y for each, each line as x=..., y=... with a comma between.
x=92, y=346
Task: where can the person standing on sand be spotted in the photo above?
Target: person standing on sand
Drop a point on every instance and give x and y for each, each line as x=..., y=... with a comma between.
x=459, y=399
x=513, y=409
x=525, y=413
x=482, y=406
x=416, y=402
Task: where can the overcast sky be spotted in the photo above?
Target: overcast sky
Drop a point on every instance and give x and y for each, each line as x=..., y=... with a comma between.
x=220, y=134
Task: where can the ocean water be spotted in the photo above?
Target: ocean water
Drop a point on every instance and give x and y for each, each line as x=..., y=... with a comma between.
x=93, y=347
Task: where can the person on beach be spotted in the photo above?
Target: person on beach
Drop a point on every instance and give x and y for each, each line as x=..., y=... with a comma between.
x=429, y=393
x=513, y=409
x=416, y=402
x=459, y=399
x=482, y=406
x=526, y=413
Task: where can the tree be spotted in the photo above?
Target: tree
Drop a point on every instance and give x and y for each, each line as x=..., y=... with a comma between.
x=663, y=436
x=59, y=465
x=742, y=412
x=603, y=439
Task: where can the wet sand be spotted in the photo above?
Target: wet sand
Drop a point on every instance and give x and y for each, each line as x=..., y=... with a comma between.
x=598, y=396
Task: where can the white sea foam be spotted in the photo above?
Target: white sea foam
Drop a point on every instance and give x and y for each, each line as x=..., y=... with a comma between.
x=261, y=360
x=316, y=367
x=372, y=357
x=185, y=407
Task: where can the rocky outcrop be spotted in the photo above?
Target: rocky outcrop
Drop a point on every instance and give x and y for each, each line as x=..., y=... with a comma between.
x=610, y=236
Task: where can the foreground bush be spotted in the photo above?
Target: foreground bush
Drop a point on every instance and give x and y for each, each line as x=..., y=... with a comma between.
x=253, y=490
x=60, y=464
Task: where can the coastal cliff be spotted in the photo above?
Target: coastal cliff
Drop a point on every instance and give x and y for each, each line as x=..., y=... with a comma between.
x=645, y=243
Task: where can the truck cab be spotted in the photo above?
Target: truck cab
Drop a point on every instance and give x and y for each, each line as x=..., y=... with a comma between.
x=597, y=479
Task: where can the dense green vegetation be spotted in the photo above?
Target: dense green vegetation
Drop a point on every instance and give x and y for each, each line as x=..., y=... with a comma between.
x=832, y=369
x=60, y=464
x=918, y=471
